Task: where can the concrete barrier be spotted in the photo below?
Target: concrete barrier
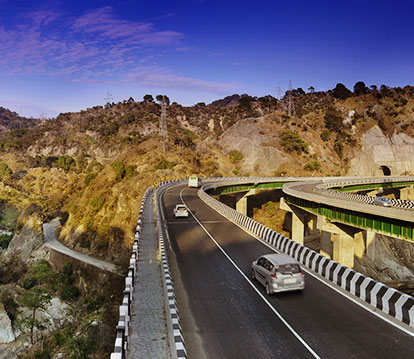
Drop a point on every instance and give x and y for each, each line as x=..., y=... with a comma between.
x=391, y=301
x=122, y=329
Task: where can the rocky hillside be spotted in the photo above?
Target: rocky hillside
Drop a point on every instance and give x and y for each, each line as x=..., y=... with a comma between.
x=91, y=168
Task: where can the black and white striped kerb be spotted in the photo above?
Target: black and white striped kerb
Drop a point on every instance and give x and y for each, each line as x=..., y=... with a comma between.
x=122, y=329
x=391, y=301
x=172, y=310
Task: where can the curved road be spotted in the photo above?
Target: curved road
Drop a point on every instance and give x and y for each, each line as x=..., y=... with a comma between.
x=51, y=242
x=306, y=191
x=225, y=315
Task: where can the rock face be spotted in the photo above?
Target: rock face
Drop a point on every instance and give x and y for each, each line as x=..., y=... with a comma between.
x=23, y=243
x=379, y=152
x=394, y=260
x=6, y=330
x=246, y=137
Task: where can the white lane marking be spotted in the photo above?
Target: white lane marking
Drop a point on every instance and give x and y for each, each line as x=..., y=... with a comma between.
x=347, y=295
x=283, y=320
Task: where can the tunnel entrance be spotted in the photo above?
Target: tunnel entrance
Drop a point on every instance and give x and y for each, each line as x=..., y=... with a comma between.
x=386, y=171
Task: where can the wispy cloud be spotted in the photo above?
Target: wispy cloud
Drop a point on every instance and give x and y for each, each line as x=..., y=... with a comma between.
x=160, y=77
x=97, y=47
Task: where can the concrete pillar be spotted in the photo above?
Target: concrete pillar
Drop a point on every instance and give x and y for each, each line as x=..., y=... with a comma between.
x=241, y=205
x=359, y=244
x=325, y=246
x=374, y=192
x=298, y=229
x=343, y=249
x=370, y=244
x=336, y=243
x=407, y=193
x=311, y=224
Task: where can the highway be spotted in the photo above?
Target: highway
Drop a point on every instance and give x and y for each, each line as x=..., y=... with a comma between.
x=225, y=315
x=306, y=191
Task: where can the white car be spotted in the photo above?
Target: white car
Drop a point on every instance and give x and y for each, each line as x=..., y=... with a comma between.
x=180, y=210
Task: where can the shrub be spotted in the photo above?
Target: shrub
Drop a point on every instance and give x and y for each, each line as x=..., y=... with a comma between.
x=119, y=169
x=312, y=166
x=29, y=283
x=94, y=166
x=66, y=163
x=235, y=156
x=164, y=165
x=325, y=135
x=5, y=170
x=43, y=354
x=85, y=243
x=69, y=292
x=5, y=240
x=130, y=171
x=97, y=202
x=291, y=141
x=89, y=178
x=338, y=146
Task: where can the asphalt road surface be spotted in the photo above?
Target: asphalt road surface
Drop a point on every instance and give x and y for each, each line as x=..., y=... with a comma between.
x=225, y=315
x=51, y=242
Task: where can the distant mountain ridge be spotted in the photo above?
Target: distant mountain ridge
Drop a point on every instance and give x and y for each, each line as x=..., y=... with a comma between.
x=11, y=120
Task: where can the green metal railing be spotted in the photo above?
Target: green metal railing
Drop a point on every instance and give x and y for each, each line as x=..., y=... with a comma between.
x=390, y=226
x=367, y=186
x=245, y=188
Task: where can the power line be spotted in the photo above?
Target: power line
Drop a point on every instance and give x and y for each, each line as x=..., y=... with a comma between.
x=163, y=124
x=291, y=106
x=278, y=92
x=109, y=98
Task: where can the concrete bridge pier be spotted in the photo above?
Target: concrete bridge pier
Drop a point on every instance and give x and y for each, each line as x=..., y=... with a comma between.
x=300, y=220
x=407, y=193
x=337, y=241
x=370, y=244
x=241, y=202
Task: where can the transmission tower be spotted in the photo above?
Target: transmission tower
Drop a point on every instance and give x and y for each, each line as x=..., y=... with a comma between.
x=108, y=98
x=291, y=106
x=278, y=92
x=163, y=124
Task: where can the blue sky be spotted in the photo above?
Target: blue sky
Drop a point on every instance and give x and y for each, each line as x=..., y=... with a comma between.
x=59, y=56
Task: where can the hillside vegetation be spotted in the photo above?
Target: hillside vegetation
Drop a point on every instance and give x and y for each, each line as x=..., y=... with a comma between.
x=92, y=167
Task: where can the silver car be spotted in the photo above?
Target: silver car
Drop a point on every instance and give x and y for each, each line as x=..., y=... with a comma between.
x=382, y=201
x=180, y=210
x=278, y=273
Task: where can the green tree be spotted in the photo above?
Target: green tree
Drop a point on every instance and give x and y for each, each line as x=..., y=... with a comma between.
x=333, y=119
x=291, y=141
x=35, y=299
x=43, y=272
x=80, y=347
x=148, y=98
x=360, y=88
x=163, y=99
x=341, y=92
